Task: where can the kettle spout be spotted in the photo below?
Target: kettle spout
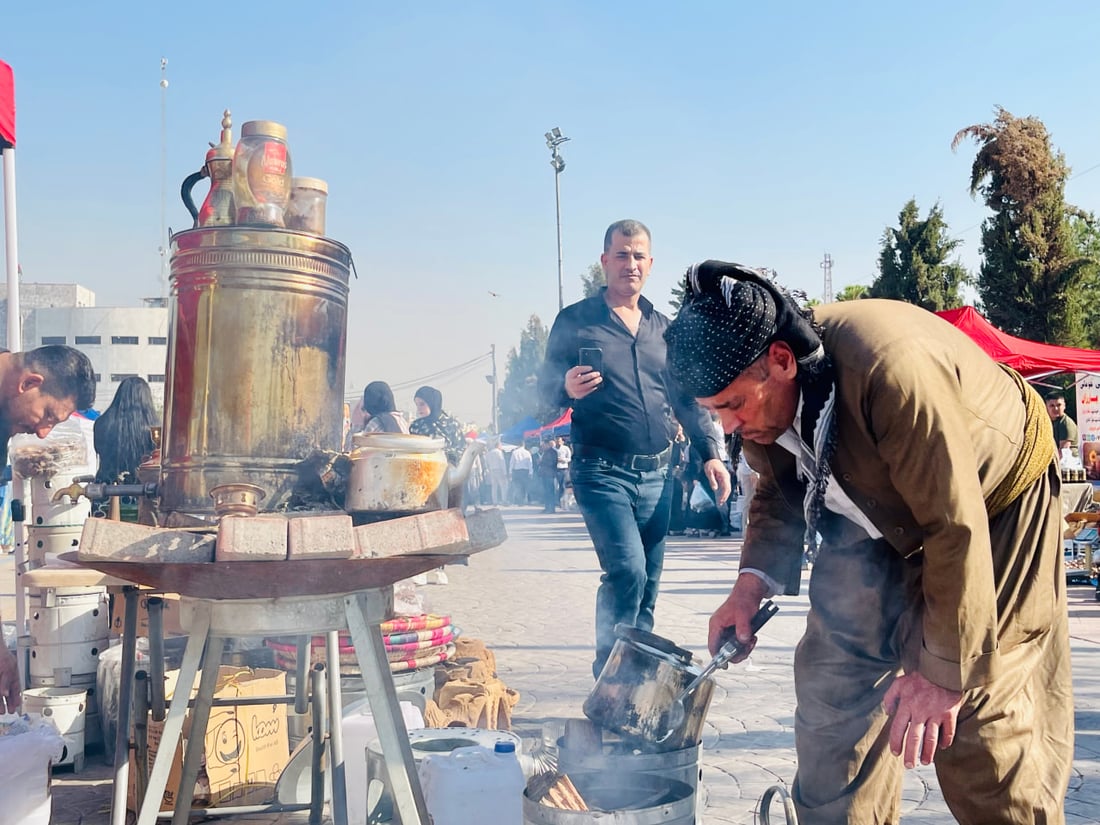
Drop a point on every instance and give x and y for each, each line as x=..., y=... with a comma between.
x=455, y=480
x=456, y=476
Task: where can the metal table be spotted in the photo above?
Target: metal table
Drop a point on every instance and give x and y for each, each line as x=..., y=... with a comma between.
x=302, y=596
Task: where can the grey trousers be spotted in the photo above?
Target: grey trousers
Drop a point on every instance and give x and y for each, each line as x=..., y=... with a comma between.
x=1011, y=759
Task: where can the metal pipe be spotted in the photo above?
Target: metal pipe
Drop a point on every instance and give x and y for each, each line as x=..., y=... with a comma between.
x=336, y=733
x=141, y=736
x=125, y=696
x=155, y=607
x=301, y=668
x=320, y=724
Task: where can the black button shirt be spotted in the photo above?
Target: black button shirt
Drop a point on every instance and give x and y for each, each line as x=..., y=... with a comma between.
x=632, y=411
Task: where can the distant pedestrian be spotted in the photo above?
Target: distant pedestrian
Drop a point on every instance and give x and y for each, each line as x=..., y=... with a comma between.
x=498, y=474
x=521, y=474
x=548, y=475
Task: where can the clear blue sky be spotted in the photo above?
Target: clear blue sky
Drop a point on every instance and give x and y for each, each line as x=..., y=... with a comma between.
x=764, y=133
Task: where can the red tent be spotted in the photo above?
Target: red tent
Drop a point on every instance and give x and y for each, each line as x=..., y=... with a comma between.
x=559, y=426
x=1029, y=358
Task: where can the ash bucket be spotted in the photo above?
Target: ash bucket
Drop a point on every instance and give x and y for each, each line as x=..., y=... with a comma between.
x=256, y=355
x=624, y=799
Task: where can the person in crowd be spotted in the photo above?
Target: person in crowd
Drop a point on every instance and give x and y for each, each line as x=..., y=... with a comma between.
x=622, y=430
x=548, y=475
x=433, y=421
x=937, y=627
x=565, y=455
x=122, y=434
x=379, y=410
x=123, y=438
x=1065, y=428
x=521, y=474
x=498, y=473
x=39, y=389
x=747, y=478
x=677, y=463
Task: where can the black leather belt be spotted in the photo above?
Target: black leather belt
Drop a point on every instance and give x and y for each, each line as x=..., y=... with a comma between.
x=631, y=461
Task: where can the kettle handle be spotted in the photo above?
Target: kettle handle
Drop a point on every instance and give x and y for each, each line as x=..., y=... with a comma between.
x=185, y=192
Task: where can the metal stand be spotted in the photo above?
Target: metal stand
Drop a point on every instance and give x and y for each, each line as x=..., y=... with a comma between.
x=210, y=623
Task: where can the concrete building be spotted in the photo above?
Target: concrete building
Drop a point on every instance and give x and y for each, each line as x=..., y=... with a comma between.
x=120, y=341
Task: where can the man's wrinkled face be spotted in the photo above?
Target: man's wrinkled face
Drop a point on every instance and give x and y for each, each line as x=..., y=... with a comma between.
x=33, y=411
x=626, y=264
x=1056, y=408
x=762, y=401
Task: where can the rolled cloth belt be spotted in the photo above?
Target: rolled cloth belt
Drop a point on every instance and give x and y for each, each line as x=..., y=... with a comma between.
x=631, y=461
x=1035, y=455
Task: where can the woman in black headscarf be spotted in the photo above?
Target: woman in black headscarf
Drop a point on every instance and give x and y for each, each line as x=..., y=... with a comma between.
x=435, y=422
x=381, y=410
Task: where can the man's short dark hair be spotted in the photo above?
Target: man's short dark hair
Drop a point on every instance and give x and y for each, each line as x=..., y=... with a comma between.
x=1055, y=395
x=628, y=229
x=67, y=373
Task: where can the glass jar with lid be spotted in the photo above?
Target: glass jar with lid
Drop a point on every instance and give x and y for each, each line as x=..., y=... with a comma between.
x=306, y=210
x=262, y=173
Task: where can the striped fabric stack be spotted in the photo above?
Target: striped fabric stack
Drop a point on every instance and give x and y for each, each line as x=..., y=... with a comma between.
x=411, y=642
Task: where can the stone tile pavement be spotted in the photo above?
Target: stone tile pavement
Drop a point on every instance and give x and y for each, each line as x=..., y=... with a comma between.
x=532, y=601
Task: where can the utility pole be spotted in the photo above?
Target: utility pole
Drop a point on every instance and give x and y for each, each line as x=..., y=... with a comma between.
x=162, y=247
x=493, y=381
x=554, y=139
x=827, y=265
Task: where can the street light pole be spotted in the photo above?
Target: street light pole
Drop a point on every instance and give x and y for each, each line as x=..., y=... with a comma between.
x=554, y=139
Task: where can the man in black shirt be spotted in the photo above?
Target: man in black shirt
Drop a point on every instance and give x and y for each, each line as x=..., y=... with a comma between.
x=624, y=418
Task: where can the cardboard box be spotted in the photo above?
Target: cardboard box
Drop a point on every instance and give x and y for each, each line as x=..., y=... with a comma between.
x=246, y=746
x=171, y=613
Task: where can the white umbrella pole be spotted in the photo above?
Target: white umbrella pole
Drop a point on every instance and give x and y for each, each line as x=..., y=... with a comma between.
x=11, y=249
x=11, y=253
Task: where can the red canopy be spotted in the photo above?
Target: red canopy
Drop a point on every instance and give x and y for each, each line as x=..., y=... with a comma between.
x=7, y=106
x=1029, y=358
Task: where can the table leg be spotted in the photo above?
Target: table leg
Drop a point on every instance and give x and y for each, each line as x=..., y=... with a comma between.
x=336, y=730
x=408, y=798
x=173, y=722
x=125, y=693
x=200, y=716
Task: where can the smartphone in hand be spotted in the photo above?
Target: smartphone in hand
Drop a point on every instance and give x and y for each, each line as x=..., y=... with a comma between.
x=591, y=357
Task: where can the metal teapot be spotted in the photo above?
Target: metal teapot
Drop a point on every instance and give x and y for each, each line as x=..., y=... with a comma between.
x=218, y=209
x=400, y=473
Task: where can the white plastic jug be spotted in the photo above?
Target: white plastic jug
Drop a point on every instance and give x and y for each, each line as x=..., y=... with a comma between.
x=473, y=786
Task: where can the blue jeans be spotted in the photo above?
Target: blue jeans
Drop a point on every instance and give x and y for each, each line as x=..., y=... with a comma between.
x=626, y=513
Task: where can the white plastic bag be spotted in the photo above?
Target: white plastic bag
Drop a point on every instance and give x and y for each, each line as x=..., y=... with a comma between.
x=700, y=502
x=27, y=746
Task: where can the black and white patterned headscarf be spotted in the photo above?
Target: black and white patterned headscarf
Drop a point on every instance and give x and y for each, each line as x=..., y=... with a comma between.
x=730, y=315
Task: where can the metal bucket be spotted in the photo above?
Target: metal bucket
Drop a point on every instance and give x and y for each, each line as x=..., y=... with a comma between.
x=624, y=799
x=65, y=707
x=69, y=628
x=256, y=354
x=681, y=765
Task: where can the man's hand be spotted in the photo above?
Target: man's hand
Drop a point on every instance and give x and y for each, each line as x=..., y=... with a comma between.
x=925, y=716
x=719, y=478
x=9, y=680
x=737, y=611
x=581, y=381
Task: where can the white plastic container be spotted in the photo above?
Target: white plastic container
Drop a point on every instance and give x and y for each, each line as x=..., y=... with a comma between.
x=472, y=786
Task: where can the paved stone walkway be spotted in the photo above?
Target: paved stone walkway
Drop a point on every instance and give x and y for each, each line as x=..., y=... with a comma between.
x=531, y=600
